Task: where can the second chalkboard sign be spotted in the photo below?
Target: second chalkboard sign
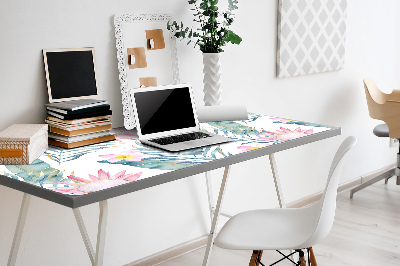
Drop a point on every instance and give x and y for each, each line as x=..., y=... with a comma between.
x=70, y=74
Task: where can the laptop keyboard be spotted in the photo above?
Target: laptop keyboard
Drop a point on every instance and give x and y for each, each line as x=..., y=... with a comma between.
x=180, y=138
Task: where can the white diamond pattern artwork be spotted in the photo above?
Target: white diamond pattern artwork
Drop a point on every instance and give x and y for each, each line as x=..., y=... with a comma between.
x=311, y=36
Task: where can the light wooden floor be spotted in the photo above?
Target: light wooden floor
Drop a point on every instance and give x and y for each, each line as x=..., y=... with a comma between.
x=366, y=232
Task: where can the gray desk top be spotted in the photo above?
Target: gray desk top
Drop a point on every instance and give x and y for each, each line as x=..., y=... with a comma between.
x=90, y=174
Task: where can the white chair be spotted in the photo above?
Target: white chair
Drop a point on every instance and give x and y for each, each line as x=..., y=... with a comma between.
x=287, y=229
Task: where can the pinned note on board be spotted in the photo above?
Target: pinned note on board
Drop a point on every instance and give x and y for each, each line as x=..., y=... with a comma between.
x=148, y=82
x=155, y=39
x=137, y=57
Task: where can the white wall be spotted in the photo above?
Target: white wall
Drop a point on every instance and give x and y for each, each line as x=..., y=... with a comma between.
x=148, y=221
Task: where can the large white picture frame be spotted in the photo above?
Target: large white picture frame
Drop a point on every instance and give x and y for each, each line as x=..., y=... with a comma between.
x=311, y=36
x=130, y=32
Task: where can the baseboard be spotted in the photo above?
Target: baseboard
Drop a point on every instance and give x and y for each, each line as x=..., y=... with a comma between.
x=315, y=197
x=342, y=187
x=200, y=242
x=172, y=252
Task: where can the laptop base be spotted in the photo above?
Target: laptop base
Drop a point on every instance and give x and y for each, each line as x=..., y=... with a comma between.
x=214, y=139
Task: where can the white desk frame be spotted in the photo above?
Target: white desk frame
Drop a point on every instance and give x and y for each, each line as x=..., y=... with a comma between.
x=96, y=258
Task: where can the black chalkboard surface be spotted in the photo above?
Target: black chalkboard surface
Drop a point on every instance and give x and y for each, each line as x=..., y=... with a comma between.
x=70, y=73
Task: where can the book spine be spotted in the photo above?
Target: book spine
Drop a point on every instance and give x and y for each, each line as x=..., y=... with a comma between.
x=79, y=131
x=78, y=121
x=81, y=143
x=83, y=125
x=89, y=105
x=79, y=111
x=74, y=105
x=80, y=116
x=55, y=115
x=57, y=110
x=70, y=139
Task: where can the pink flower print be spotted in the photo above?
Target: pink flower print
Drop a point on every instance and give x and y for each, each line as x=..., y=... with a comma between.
x=103, y=180
x=125, y=155
x=282, y=134
x=249, y=148
x=285, y=134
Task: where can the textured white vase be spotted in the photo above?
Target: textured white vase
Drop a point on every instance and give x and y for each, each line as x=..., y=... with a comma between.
x=212, y=75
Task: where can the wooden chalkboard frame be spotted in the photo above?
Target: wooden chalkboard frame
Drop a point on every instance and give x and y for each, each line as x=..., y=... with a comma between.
x=51, y=99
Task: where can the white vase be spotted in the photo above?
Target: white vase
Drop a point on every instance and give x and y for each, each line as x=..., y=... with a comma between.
x=212, y=75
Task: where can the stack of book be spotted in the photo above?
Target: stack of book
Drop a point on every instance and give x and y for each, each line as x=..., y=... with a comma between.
x=78, y=123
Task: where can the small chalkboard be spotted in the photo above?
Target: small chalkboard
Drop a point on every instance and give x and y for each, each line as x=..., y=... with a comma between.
x=70, y=74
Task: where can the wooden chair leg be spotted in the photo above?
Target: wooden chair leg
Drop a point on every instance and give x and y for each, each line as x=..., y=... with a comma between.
x=313, y=260
x=255, y=258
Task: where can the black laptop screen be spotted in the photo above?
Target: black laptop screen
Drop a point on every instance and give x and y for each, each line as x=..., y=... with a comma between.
x=164, y=110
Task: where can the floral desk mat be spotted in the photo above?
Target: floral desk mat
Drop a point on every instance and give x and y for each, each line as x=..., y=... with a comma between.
x=96, y=167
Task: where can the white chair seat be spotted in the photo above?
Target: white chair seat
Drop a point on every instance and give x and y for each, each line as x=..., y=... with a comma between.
x=269, y=229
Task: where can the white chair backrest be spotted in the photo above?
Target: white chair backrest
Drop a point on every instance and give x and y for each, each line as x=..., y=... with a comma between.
x=327, y=204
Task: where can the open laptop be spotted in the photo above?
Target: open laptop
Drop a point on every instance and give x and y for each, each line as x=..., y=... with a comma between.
x=166, y=118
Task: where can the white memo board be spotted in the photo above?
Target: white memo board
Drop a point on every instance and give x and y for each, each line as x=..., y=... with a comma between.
x=130, y=32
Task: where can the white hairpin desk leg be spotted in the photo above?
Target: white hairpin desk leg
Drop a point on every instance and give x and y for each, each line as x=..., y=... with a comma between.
x=85, y=236
x=101, y=233
x=277, y=182
x=215, y=217
x=95, y=258
x=19, y=230
x=210, y=195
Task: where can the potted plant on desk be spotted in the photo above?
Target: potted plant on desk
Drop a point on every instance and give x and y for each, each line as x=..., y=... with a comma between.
x=212, y=35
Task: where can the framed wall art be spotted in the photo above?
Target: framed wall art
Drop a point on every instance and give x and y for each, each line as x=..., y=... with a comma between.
x=311, y=36
x=146, y=53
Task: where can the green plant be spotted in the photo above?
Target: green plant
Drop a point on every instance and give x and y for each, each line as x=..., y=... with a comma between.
x=214, y=32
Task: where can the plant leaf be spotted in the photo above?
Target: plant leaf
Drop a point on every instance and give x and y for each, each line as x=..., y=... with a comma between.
x=233, y=38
